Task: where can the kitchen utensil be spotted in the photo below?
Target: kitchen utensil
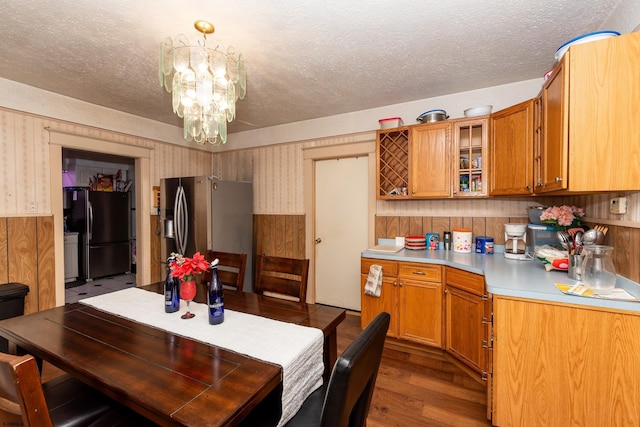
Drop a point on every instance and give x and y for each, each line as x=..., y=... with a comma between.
x=478, y=111
x=565, y=240
x=577, y=238
x=599, y=237
x=432, y=116
x=589, y=237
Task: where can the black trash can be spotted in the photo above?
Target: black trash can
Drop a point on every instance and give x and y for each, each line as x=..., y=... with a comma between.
x=11, y=305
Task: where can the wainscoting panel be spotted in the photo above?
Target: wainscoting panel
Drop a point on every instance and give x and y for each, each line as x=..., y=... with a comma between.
x=22, y=247
x=158, y=270
x=4, y=260
x=279, y=235
x=46, y=263
x=27, y=257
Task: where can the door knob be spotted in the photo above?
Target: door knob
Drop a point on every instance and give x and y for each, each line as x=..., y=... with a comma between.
x=318, y=240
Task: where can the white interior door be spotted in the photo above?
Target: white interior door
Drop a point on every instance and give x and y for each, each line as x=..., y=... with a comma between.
x=340, y=230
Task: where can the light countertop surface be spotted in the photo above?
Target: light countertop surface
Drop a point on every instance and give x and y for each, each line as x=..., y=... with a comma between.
x=513, y=278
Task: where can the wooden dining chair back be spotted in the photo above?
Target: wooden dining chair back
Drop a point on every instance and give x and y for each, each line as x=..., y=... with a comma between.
x=231, y=268
x=62, y=401
x=280, y=276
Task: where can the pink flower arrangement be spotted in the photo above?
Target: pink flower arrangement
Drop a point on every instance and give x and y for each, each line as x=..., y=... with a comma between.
x=185, y=268
x=563, y=216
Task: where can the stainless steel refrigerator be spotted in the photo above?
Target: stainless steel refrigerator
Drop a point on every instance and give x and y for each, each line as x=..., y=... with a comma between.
x=103, y=220
x=203, y=212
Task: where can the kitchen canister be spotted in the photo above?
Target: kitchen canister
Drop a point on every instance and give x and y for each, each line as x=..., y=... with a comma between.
x=432, y=241
x=462, y=240
x=484, y=245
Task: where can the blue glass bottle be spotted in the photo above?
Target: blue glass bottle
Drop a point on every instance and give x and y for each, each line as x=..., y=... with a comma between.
x=215, y=297
x=171, y=291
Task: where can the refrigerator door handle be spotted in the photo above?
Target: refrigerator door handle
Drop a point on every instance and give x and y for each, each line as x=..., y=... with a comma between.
x=181, y=220
x=90, y=219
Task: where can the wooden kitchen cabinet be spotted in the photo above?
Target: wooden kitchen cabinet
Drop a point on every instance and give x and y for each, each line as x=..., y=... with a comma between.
x=559, y=364
x=412, y=295
x=470, y=161
x=468, y=319
x=591, y=119
x=371, y=306
x=512, y=153
x=430, y=160
x=392, y=150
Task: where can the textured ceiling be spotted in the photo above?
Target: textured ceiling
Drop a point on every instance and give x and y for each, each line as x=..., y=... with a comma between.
x=305, y=59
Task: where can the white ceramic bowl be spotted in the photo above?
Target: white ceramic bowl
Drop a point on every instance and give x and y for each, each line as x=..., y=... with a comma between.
x=478, y=111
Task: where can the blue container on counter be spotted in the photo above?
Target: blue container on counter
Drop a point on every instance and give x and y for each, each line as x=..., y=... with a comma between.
x=432, y=241
x=484, y=245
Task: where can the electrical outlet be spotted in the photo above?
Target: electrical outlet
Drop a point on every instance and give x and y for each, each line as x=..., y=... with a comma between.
x=618, y=205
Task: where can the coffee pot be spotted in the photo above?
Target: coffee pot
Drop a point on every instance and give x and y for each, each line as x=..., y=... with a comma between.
x=515, y=241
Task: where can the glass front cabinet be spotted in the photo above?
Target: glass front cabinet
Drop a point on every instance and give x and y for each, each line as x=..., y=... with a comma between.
x=470, y=163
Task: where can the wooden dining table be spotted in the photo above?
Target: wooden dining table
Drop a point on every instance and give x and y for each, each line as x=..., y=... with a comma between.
x=168, y=378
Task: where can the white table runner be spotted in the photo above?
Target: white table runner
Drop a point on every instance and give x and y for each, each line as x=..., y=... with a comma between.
x=298, y=349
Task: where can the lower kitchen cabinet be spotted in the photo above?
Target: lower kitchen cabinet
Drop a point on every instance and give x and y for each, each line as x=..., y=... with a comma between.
x=412, y=295
x=558, y=364
x=468, y=319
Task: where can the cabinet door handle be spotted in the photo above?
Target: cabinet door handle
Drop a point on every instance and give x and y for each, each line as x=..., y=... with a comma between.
x=486, y=321
x=558, y=179
x=485, y=297
x=395, y=283
x=485, y=376
x=485, y=344
x=419, y=272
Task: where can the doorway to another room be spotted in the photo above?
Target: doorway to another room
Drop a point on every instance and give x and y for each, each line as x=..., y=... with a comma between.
x=99, y=223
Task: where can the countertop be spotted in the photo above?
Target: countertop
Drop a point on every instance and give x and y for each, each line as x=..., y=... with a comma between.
x=506, y=277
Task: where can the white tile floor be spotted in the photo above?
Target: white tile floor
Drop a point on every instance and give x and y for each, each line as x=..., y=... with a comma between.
x=99, y=287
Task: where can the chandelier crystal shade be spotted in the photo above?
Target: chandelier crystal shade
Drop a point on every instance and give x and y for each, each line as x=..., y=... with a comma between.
x=205, y=83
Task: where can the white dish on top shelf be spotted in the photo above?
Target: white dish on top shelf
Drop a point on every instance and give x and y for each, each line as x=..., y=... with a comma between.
x=585, y=38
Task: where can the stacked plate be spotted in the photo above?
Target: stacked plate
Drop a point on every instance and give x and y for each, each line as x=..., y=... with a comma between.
x=415, y=242
x=585, y=38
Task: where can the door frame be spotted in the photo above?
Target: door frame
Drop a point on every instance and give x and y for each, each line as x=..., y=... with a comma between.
x=142, y=156
x=362, y=145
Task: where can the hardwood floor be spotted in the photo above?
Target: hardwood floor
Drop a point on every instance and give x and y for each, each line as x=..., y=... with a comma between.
x=419, y=388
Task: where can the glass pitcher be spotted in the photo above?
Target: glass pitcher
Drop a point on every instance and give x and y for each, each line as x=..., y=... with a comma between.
x=598, y=271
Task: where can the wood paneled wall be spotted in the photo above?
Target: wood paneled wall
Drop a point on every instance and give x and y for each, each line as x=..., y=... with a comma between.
x=279, y=235
x=625, y=240
x=27, y=257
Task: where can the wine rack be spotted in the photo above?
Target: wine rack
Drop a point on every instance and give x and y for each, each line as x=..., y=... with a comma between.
x=393, y=163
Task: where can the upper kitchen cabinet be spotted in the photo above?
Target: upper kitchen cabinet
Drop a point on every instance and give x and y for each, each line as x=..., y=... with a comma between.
x=392, y=149
x=430, y=160
x=433, y=160
x=511, y=147
x=470, y=140
x=591, y=119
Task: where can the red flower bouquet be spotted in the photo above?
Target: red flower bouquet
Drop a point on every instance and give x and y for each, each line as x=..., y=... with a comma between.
x=185, y=268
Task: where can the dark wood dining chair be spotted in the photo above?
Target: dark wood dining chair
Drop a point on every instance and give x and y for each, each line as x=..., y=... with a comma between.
x=62, y=401
x=345, y=400
x=280, y=276
x=231, y=268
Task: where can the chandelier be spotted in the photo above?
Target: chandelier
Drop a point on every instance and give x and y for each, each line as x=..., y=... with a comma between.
x=205, y=83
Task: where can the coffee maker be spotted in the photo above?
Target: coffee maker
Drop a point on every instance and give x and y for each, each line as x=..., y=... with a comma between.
x=515, y=241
